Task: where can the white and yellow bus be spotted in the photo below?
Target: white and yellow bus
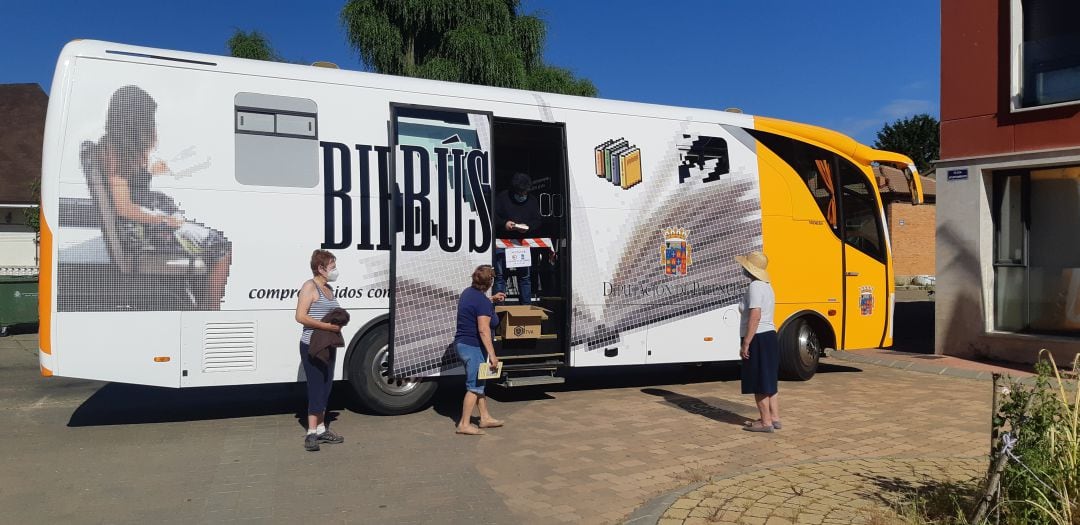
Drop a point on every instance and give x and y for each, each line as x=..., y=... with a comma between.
x=182, y=196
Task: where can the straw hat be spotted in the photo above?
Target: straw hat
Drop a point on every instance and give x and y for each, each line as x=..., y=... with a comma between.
x=755, y=262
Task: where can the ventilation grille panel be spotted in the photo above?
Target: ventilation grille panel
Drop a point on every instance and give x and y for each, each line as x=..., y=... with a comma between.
x=229, y=347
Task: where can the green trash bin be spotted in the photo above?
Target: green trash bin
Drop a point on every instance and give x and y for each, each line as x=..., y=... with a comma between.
x=18, y=301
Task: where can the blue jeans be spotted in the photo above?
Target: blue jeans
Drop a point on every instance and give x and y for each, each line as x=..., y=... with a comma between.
x=523, y=275
x=473, y=357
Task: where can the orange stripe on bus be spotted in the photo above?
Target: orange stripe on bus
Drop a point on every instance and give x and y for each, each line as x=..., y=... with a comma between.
x=45, y=284
x=45, y=372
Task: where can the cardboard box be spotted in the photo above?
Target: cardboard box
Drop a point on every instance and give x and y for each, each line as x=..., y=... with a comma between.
x=520, y=322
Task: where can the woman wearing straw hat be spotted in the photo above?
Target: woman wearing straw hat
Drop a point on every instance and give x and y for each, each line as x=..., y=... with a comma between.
x=760, y=348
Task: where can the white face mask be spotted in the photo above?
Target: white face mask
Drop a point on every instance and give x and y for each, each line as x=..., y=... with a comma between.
x=332, y=275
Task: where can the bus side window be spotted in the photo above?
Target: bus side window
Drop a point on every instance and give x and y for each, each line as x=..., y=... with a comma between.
x=277, y=140
x=813, y=165
x=861, y=216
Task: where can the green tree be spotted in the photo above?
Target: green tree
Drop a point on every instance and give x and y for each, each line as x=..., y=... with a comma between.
x=33, y=214
x=253, y=45
x=486, y=42
x=917, y=137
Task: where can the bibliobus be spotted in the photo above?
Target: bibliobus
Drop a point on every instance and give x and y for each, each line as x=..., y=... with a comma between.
x=182, y=196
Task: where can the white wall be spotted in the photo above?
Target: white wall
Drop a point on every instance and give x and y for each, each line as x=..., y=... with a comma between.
x=961, y=212
x=17, y=248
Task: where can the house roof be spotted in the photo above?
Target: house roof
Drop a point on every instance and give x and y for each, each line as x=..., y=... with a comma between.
x=22, y=126
x=892, y=183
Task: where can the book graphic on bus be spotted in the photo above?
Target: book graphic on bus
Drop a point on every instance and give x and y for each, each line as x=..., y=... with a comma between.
x=619, y=162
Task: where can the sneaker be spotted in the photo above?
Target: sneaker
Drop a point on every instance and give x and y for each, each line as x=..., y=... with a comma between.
x=775, y=424
x=330, y=437
x=758, y=427
x=311, y=443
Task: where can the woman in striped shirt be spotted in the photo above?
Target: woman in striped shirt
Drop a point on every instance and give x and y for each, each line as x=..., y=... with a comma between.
x=315, y=301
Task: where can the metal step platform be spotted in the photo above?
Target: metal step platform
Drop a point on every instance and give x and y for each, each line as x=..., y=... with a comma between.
x=511, y=381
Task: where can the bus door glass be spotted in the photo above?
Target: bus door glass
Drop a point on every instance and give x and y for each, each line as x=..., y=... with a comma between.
x=443, y=169
x=865, y=256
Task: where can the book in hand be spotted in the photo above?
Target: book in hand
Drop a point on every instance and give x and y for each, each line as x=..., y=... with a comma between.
x=487, y=373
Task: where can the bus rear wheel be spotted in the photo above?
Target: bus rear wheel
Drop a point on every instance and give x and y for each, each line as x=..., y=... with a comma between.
x=800, y=349
x=375, y=388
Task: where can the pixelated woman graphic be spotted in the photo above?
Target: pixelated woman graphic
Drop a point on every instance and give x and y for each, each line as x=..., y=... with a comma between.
x=181, y=263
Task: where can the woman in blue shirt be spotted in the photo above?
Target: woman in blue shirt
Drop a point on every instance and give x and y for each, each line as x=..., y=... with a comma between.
x=476, y=321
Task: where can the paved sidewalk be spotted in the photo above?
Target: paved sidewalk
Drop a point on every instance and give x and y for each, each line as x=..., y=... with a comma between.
x=590, y=451
x=933, y=364
x=829, y=492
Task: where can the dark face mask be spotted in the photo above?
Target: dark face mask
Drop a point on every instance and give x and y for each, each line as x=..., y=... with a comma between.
x=520, y=197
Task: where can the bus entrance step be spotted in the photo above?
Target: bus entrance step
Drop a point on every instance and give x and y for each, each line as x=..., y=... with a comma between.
x=533, y=380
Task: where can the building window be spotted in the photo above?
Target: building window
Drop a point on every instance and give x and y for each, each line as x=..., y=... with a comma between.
x=1037, y=250
x=1046, y=52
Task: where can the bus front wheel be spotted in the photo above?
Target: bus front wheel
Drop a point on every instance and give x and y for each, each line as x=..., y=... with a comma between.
x=800, y=348
x=375, y=388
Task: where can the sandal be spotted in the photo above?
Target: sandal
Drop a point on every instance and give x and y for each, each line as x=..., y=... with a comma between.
x=491, y=423
x=470, y=431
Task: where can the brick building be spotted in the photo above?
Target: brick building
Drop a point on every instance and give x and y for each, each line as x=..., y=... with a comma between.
x=22, y=125
x=1008, y=230
x=911, y=228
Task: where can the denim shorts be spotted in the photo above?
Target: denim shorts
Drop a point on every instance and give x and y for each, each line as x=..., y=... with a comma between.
x=472, y=356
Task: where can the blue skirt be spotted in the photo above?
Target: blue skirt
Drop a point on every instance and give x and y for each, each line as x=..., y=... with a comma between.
x=759, y=373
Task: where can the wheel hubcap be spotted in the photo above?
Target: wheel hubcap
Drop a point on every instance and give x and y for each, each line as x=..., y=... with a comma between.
x=380, y=373
x=809, y=347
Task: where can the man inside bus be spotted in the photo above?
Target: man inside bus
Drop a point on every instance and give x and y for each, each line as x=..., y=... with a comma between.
x=516, y=213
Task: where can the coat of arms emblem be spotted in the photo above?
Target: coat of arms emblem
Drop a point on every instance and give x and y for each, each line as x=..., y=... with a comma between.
x=866, y=300
x=675, y=251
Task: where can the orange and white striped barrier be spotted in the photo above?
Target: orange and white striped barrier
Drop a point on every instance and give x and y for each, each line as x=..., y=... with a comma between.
x=537, y=242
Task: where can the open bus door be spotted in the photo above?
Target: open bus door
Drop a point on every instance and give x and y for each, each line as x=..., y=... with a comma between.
x=442, y=169
x=865, y=259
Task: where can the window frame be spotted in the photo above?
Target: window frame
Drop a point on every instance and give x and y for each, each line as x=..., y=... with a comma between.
x=998, y=184
x=1016, y=64
x=273, y=106
x=998, y=180
x=872, y=197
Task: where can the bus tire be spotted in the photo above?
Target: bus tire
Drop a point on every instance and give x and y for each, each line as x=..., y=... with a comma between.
x=369, y=375
x=800, y=349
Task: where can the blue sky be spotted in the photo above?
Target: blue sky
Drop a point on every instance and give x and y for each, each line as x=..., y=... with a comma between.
x=848, y=65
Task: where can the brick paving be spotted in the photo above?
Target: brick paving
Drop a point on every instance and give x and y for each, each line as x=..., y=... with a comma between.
x=591, y=451
x=592, y=456
x=817, y=493
x=935, y=364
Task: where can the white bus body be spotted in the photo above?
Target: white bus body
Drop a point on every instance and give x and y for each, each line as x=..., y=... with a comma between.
x=647, y=206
